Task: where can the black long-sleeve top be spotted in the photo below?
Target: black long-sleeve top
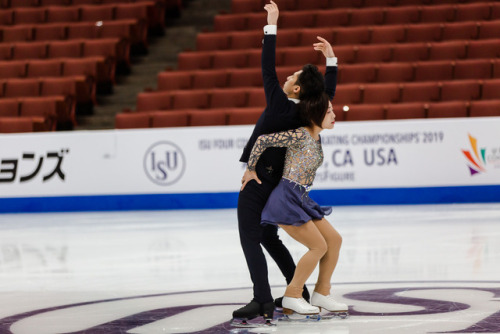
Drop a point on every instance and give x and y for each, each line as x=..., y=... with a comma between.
x=280, y=114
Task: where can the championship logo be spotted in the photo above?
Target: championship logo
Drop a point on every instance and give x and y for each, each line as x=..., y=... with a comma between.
x=164, y=163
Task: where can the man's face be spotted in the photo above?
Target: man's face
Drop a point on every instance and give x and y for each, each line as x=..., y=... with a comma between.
x=329, y=120
x=289, y=87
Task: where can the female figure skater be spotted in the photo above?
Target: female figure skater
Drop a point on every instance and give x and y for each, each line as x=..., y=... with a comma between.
x=290, y=207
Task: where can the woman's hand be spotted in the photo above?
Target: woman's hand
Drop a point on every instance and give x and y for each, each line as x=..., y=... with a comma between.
x=247, y=177
x=272, y=13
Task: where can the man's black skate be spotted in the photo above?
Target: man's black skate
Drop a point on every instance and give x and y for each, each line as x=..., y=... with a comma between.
x=251, y=311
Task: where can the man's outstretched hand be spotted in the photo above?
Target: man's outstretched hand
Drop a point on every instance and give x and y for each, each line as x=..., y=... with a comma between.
x=272, y=13
x=325, y=47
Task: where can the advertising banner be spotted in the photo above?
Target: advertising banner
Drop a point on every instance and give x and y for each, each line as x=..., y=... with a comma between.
x=379, y=162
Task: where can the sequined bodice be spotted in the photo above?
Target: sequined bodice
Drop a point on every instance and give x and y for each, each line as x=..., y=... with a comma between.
x=304, y=154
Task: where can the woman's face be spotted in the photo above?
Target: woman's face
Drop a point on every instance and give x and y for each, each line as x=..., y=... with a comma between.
x=329, y=120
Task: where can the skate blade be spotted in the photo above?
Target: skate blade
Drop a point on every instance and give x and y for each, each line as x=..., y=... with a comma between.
x=243, y=323
x=326, y=315
x=297, y=317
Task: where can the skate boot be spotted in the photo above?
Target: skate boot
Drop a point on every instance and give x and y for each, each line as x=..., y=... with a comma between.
x=252, y=310
x=298, y=305
x=327, y=303
x=278, y=302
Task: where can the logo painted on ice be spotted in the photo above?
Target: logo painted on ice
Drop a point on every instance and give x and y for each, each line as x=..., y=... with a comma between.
x=164, y=163
x=469, y=309
x=476, y=160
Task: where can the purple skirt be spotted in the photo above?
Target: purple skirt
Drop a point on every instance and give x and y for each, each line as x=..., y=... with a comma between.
x=290, y=204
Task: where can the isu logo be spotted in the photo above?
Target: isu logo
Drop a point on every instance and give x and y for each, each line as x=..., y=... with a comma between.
x=410, y=307
x=164, y=163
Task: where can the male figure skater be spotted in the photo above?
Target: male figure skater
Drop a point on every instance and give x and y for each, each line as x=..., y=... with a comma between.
x=280, y=114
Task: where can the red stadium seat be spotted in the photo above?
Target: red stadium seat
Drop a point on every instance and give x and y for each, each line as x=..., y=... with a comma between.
x=491, y=90
x=33, y=50
x=163, y=119
x=347, y=94
x=175, y=80
x=387, y=34
x=29, y=15
x=485, y=108
x=63, y=14
x=423, y=32
x=149, y=101
x=347, y=53
x=460, y=90
x=395, y=72
x=332, y=18
x=405, y=111
x=447, y=109
x=256, y=98
x=15, y=125
x=22, y=3
x=6, y=17
x=448, y=50
x=489, y=48
x=22, y=87
x=65, y=49
x=367, y=16
x=473, y=11
x=251, y=77
x=245, y=6
x=229, y=59
x=44, y=68
x=243, y=116
x=379, y=3
x=299, y=19
x=402, y=15
x=434, y=70
x=194, y=60
x=137, y=11
x=97, y=13
x=495, y=11
x=381, y=93
x=460, y=30
x=255, y=57
x=207, y=118
x=365, y=112
x=420, y=91
x=209, y=79
x=132, y=120
x=256, y=21
x=357, y=73
x=89, y=67
x=310, y=36
x=46, y=108
x=50, y=32
x=212, y=41
x=352, y=35
x=410, y=52
x=489, y=29
x=311, y=4
x=439, y=13
x=474, y=69
x=496, y=69
x=301, y=56
x=230, y=22
x=194, y=99
x=82, y=30
x=12, y=69
x=45, y=3
x=5, y=51
x=17, y=33
x=228, y=98
x=369, y=53
x=9, y=108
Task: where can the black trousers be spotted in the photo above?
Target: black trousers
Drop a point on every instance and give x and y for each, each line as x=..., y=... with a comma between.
x=251, y=201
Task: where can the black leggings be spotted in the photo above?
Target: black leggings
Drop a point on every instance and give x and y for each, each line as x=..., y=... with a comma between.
x=251, y=202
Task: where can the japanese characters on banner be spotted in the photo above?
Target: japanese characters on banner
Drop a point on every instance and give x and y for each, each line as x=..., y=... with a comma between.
x=386, y=154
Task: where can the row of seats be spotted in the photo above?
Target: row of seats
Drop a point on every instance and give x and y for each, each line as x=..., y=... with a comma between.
x=237, y=116
x=347, y=54
x=112, y=50
x=346, y=94
x=22, y=124
x=169, y=4
x=355, y=73
x=402, y=33
x=361, y=17
x=57, y=14
x=94, y=68
x=246, y=6
x=52, y=109
x=127, y=30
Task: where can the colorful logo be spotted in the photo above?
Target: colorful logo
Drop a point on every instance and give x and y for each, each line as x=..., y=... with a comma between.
x=476, y=160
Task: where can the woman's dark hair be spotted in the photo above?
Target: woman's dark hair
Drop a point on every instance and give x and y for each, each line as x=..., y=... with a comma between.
x=311, y=82
x=313, y=110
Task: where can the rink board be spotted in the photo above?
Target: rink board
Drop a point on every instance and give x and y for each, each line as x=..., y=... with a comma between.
x=376, y=162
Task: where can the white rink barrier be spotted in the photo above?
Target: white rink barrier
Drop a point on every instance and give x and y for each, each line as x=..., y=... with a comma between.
x=379, y=162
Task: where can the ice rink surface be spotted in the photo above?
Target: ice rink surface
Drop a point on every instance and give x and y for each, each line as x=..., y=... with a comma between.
x=402, y=269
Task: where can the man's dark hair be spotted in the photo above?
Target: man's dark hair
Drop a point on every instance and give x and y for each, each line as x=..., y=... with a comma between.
x=313, y=110
x=311, y=82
